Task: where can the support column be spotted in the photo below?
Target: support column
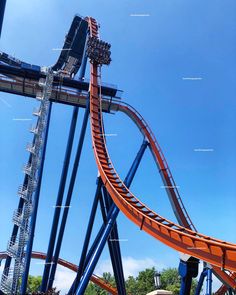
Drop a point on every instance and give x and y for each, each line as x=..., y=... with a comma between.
x=209, y=281
x=200, y=283
x=69, y=196
x=187, y=270
x=60, y=195
x=59, y=200
x=114, y=247
x=82, y=262
x=206, y=273
x=2, y=11
x=78, y=287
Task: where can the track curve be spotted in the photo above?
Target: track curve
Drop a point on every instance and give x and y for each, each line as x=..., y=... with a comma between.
x=168, y=179
x=117, y=105
x=180, y=238
x=158, y=156
x=95, y=279
x=172, y=190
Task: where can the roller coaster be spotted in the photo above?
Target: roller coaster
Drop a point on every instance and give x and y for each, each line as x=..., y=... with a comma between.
x=60, y=84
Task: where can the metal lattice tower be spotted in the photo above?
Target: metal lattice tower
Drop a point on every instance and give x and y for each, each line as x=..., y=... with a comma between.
x=21, y=218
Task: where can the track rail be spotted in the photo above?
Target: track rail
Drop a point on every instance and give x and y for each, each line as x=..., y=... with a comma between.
x=172, y=190
x=69, y=96
x=180, y=238
x=223, y=289
x=95, y=279
x=170, y=185
x=28, y=87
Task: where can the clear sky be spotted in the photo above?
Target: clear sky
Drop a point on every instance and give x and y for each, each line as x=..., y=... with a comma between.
x=152, y=56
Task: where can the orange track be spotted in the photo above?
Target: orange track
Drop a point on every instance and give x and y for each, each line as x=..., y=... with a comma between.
x=181, y=238
x=169, y=181
x=95, y=279
x=171, y=188
x=223, y=289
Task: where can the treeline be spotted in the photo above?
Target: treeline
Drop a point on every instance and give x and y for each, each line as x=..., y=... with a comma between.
x=144, y=283
x=140, y=285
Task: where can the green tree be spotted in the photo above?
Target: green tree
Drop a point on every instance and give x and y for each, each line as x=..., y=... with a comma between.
x=145, y=281
x=170, y=281
x=90, y=290
x=33, y=283
x=53, y=291
x=109, y=278
x=131, y=285
x=93, y=289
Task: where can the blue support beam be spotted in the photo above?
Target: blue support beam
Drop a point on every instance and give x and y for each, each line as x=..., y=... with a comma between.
x=113, y=213
x=94, y=244
x=130, y=176
x=69, y=196
x=114, y=247
x=82, y=262
x=78, y=287
x=75, y=284
x=59, y=201
x=79, y=84
x=206, y=273
x=2, y=11
x=60, y=195
x=187, y=270
x=35, y=209
x=115, y=259
x=208, y=281
x=200, y=283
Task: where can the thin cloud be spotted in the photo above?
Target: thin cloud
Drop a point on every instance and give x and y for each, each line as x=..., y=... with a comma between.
x=131, y=266
x=63, y=279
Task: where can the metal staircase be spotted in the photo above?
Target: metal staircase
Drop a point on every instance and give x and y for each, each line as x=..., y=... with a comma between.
x=21, y=217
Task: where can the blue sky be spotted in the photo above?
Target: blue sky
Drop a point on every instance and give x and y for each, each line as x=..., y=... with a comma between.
x=150, y=57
